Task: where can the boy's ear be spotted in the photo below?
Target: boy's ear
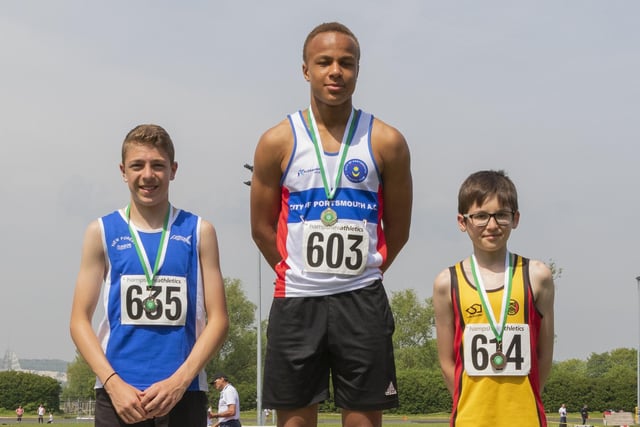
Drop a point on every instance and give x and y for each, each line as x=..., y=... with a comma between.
x=462, y=223
x=174, y=169
x=516, y=220
x=305, y=71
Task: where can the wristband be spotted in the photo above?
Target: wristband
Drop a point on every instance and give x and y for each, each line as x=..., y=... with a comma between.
x=108, y=378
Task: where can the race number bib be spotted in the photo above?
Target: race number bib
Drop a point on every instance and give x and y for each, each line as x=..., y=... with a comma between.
x=338, y=249
x=169, y=293
x=480, y=344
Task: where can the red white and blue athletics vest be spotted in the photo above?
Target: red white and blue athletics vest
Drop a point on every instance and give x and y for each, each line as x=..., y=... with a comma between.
x=322, y=260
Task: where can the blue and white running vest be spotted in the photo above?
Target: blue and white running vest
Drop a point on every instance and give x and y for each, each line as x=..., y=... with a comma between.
x=318, y=259
x=143, y=347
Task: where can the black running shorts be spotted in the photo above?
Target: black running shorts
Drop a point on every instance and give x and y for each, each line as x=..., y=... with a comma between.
x=190, y=411
x=347, y=335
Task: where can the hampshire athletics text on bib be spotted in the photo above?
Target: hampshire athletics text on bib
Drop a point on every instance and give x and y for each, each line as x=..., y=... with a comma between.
x=169, y=292
x=342, y=248
x=480, y=343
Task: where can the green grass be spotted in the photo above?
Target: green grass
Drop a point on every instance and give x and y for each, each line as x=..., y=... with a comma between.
x=248, y=418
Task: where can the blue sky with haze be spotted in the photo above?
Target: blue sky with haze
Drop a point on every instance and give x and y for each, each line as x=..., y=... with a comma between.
x=546, y=90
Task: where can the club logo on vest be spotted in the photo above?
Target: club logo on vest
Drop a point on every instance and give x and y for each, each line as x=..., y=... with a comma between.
x=356, y=170
x=303, y=172
x=122, y=243
x=185, y=239
x=474, y=309
x=514, y=307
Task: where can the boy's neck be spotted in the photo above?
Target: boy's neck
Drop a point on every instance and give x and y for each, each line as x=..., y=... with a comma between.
x=329, y=116
x=148, y=217
x=493, y=260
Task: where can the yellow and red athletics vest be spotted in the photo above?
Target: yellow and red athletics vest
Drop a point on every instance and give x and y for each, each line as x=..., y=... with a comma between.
x=485, y=396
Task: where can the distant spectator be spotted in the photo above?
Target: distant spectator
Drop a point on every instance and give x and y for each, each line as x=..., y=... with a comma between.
x=41, y=412
x=228, y=414
x=563, y=415
x=19, y=413
x=584, y=414
x=50, y=418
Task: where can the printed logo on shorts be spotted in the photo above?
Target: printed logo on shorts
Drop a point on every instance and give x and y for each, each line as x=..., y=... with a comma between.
x=391, y=390
x=356, y=170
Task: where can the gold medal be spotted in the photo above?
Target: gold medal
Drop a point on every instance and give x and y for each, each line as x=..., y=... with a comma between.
x=329, y=217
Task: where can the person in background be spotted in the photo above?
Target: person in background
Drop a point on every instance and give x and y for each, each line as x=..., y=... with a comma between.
x=584, y=413
x=563, y=415
x=41, y=412
x=228, y=414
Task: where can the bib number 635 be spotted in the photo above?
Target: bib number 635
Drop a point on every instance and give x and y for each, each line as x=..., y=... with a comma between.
x=169, y=294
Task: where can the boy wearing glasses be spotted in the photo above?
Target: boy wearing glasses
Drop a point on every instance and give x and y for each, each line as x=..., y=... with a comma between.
x=494, y=315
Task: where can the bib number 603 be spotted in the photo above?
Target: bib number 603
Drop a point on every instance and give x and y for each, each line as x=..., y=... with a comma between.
x=335, y=251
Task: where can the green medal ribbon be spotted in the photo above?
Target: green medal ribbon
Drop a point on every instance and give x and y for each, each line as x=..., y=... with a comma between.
x=142, y=254
x=352, y=124
x=506, y=296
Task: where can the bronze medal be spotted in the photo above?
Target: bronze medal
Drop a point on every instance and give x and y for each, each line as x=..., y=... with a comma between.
x=498, y=360
x=329, y=217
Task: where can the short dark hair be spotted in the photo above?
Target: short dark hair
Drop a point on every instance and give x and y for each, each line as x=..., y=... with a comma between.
x=150, y=135
x=330, y=27
x=219, y=375
x=480, y=186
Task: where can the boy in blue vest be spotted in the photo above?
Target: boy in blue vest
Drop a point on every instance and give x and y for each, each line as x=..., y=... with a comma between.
x=163, y=296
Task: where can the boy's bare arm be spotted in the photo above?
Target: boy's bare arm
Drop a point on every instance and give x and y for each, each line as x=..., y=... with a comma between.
x=272, y=151
x=392, y=154
x=544, y=293
x=125, y=398
x=443, y=309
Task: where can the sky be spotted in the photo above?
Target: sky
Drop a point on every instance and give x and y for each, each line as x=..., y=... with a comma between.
x=546, y=90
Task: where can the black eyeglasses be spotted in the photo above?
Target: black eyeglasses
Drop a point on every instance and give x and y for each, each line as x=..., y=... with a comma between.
x=481, y=219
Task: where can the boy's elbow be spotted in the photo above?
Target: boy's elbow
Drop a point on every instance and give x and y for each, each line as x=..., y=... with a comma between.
x=400, y=237
x=262, y=235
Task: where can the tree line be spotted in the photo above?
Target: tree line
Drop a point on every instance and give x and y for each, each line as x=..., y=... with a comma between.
x=28, y=390
x=603, y=381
